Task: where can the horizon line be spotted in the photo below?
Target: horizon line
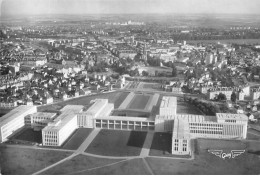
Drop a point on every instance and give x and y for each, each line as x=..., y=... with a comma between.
x=139, y=13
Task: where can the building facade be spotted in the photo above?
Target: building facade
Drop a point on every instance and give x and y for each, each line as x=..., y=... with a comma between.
x=14, y=120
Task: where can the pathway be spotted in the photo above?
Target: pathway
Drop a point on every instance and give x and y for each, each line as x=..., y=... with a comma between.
x=55, y=164
x=80, y=150
x=88, y=141
x=147, y=144
x=148, y=166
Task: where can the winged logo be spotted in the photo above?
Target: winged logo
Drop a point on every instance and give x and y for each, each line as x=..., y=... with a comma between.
x=236, y=153
x=221, y=154
x=218, y=153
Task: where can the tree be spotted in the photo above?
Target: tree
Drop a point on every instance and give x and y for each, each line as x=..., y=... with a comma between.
x=233, y=97
x=174, y=71
x=145, y=73
x=222, y=97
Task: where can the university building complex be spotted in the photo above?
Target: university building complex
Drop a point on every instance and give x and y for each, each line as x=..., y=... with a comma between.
x=139, y=111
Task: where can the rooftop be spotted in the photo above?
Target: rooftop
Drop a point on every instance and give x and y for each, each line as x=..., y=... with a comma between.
x=125, y=118
x=168, y=102
x=15, y=113
x=227, y=116
x=44, y=114
x=99, y=104
x=68, y=112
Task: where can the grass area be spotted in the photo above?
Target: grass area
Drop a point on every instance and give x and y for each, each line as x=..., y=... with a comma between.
x=79, y=164
x=161, y=145
x=152, y=86
x=120, y=99
x=80, y=101
x=253, y=134
x=139, y=102
x=186, y=108
x=207, y=163
x=77, y=138
x=117, y=143
x=130, y=167
x=28, y=134
x=133, y=85
x=17, y=161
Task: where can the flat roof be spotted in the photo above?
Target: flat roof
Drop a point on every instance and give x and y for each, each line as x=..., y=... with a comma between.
x=15, y=113
x=43, y=114
x=180, y=129
x=168, y=102
x=68, y=112
x=229, y=116
x=98, y=104
x=125, y=118
x=189, y=118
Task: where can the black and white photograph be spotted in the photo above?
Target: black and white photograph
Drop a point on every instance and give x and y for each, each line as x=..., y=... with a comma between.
x=129, y=87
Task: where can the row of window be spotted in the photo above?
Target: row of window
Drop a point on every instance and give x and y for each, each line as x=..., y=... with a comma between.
x=206, y=128
x=205, y=132
x=127, y=127
x=123, y=122
x=207, y=125
x=232, y=121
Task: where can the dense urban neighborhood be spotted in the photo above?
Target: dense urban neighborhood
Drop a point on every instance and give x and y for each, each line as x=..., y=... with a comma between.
x=129, y=94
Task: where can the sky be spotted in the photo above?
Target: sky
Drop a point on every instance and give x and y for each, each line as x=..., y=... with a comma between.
x=34, y=7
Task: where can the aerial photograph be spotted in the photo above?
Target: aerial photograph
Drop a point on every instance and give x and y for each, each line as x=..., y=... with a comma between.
x=129, y=87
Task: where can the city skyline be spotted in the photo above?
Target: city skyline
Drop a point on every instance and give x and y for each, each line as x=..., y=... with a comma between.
x=36, y=7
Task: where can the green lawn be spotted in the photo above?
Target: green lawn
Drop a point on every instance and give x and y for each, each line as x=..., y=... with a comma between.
x=119, y=100
x=28, y=134
x=152, y=86
x=17, y=161
x=78, y=164
x=161, y=145
x=207, y=163
x=117, y=143
x=139, y=102
x=129, y=167
x=186, y=108
x=253, y=134
x=77, y=138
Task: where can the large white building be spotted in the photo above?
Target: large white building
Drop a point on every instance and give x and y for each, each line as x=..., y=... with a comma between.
x=184, y=128
x=101, y=107
x=40, y=119
x=14, y=120
x=56, y=132
x=187, y=127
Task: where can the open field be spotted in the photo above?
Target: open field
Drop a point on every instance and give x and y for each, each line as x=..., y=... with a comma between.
x=112, y=97
x=129, y=167
x=28, y=134
x=253, y=134
x=186, y=108
x=117, y=143
x=151, y=86
x=77, y=138
x=79, y=164
x=120, y=99
x=24, y=161
x=207, y=163
x=132, y=85
x=161, y=145
x=139, y=102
